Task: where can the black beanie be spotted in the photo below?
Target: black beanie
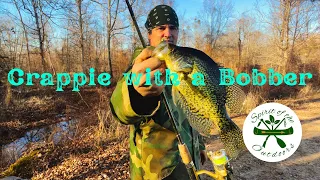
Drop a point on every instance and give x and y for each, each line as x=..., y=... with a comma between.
x=160, y=15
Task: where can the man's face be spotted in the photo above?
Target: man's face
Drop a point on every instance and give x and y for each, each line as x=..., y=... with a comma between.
x=167, y=32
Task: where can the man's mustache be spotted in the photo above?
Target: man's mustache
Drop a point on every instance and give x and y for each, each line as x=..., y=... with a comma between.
x=170, y=40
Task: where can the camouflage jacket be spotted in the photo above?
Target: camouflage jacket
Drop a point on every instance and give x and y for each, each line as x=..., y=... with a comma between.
x=154, y=150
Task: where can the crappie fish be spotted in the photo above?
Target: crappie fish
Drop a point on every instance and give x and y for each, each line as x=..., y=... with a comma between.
x=204, y=105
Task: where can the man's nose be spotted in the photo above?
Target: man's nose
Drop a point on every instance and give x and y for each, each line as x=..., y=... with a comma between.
x=167, y=32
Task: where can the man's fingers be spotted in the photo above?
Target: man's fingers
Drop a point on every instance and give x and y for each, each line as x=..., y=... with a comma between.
x=145, y=54
x=151, y=91
x=151, y=75
x=152, y=63
x=142, y=62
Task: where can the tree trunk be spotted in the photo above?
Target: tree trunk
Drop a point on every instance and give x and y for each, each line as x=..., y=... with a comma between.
x=8, y=94
x=284, y=34
x=40, y=35
x=239, y=45
x=295, y=28
x=79, y=5
x=25, y=35
x=68, y=55
x=14, y=62
x=109, y=37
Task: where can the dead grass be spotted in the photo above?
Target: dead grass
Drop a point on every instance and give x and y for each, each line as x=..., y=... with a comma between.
x=308, y=90
x=252, y=100
x=108, y=127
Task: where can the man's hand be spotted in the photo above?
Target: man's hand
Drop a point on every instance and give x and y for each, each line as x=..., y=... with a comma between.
x=203, y=156
x=142, y=62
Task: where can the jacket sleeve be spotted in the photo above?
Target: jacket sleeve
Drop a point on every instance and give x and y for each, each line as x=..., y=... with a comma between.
x=128, y=106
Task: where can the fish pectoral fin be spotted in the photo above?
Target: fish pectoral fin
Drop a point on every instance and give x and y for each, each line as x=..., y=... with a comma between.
x=176, y=96
x=180, y=65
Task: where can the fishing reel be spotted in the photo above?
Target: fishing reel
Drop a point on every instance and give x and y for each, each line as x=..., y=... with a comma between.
x=219, y=159
x=221, y=165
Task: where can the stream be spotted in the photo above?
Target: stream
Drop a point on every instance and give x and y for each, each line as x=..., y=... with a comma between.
x=54, y=133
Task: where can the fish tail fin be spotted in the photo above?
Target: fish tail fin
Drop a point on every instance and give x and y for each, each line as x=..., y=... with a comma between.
x=232, y=138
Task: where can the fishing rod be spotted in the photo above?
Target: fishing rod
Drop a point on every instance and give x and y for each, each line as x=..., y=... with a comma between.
x=219, y=158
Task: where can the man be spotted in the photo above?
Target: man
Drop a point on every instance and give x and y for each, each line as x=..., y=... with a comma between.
x=154, y=152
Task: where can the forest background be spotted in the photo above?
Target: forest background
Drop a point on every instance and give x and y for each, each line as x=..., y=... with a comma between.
x=55, y=130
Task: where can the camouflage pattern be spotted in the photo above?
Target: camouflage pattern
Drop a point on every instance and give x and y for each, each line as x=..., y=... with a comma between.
x=154, y=152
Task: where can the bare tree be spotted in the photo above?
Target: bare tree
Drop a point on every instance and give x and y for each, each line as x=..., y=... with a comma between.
x=198, y=34
x=290, y=20
x=37, y=14
x=140, y=13
x=81, y=40
x=113, y=11
x=110, y=26
x=245, y=29
x=33, y=17
x=78, y=15
x=25, y=31
x=215, y=15
x=8, y=43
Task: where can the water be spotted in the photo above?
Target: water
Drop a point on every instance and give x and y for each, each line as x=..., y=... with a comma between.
x=54, y=133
